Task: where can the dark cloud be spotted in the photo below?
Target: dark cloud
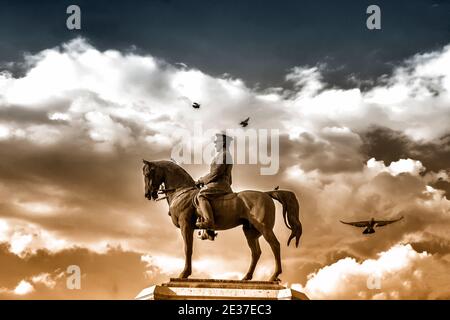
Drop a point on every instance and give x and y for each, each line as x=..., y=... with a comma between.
x=115, y=274
x=390, y=145
x=86, y=187
x=24, y=115
x=329, y=155
x=433, y=244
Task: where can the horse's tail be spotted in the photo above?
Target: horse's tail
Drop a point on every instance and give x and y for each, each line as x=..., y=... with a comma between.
x=291, y=210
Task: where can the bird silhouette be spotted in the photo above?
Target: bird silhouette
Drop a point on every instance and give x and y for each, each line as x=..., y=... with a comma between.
x=370, y=224
x=195, y=105
x=244, y=123
x=276, y=188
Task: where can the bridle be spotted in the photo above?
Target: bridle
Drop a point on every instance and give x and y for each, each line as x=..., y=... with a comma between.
x=158, y=189
x=164, y=191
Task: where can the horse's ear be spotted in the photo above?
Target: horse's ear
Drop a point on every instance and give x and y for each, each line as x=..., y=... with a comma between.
x=145, y=161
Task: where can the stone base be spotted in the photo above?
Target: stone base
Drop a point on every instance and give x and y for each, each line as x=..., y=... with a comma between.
x=198, y=289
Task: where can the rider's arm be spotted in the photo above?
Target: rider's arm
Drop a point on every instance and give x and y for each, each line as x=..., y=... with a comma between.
x=217, y=170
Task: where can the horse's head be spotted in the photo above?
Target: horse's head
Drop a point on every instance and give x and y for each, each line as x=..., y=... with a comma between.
x=153, y=178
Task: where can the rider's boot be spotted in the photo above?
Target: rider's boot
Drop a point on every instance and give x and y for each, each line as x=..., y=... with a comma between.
x=207, y=214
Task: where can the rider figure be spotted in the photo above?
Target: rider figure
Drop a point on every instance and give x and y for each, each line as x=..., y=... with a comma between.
x=217, y=182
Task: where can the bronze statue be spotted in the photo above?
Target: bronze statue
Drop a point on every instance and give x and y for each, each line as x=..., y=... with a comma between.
x=370, y=224
x=254, y=210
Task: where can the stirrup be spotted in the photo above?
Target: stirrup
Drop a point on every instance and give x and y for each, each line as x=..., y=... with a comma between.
x=207, y=234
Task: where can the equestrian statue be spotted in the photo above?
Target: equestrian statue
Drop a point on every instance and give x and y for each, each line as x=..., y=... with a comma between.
x=209, y=204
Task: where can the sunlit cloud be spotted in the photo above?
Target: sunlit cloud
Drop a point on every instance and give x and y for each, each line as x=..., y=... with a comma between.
x=23, y=288
x=396, y=273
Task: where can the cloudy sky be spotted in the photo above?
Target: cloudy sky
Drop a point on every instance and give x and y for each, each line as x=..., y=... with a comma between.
x=363, y=120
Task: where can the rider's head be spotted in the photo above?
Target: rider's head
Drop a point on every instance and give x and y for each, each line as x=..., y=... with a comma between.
x=222, y=141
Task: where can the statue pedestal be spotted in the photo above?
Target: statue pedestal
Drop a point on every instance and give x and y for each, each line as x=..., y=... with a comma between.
x=197, y=289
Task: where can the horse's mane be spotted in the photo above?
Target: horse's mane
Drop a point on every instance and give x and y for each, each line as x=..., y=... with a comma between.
x=175, y=167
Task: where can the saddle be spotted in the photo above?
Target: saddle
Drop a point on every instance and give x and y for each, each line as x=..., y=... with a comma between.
x=214, y=200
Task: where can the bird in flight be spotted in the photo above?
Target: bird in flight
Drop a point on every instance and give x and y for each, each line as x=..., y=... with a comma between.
x=244, y=123
x=369, y=225
x=195, y=105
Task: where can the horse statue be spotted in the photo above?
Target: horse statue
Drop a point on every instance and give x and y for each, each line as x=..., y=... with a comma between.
x=254, y=210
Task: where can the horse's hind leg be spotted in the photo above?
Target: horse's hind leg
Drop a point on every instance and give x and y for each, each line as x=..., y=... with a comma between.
x=275, y=246
x=252, y=236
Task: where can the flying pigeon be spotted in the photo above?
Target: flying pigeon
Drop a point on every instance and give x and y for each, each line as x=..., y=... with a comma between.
x=370, y=224
x=195, y=105
x=244, y=123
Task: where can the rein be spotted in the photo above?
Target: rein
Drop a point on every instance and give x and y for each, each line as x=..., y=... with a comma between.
x=165, y=191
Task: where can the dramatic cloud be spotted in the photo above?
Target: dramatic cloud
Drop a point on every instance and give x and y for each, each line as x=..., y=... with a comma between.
x=75, y=126
x=399, y=273
x=114, y=274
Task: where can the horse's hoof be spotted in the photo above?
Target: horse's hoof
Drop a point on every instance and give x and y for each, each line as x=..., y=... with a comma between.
x=247, y=277
x=274, y=279
x=184, y=275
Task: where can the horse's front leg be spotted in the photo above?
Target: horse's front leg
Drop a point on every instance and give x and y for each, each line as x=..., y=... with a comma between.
x=187, y=231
